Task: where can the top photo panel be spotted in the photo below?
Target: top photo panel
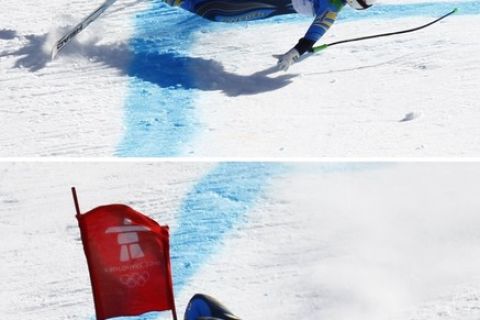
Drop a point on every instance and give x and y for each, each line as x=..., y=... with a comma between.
x=239, y=78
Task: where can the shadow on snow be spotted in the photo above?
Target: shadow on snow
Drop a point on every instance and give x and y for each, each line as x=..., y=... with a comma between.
x=161, y=69
x=210, y=75
x=6, y=34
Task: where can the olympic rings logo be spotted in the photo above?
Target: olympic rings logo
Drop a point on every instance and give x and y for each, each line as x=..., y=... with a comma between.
x=134, y=280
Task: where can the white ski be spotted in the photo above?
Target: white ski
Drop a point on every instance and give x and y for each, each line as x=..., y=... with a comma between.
x=60, y=44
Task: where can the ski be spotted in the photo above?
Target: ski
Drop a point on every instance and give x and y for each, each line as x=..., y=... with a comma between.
x=63, y=41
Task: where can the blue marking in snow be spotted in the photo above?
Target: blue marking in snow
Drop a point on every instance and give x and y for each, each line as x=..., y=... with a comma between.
x=159, y=114
x=160, y=117
x=217, y=205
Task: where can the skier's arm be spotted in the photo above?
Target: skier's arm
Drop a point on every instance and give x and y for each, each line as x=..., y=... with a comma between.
x=323, y=21
x=317, y=29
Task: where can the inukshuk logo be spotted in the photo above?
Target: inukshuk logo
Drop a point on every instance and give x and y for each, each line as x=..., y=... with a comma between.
x=130, y=249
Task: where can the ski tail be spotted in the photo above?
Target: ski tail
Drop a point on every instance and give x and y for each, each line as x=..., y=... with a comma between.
x=68, y=37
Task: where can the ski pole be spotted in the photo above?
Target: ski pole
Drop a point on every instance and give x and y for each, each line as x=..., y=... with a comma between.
x=325, y=46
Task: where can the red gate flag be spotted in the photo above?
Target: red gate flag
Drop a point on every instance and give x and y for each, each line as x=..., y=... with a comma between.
x=128, y=260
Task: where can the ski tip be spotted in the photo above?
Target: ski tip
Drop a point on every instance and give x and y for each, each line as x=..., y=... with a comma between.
x=455, y=10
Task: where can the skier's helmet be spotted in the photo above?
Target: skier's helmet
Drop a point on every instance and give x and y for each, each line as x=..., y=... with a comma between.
x=360, y=4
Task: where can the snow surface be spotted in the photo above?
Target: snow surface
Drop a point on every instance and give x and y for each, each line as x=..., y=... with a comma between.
x=149, y=80
x=272, y=241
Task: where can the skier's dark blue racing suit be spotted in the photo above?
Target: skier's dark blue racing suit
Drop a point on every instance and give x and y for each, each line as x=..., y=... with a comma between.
x=324, y=11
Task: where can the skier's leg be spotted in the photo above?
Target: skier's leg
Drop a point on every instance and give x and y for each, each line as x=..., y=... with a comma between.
x=241, y=10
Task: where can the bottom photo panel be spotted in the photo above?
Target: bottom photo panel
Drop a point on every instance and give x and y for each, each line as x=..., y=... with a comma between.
x=240, y=240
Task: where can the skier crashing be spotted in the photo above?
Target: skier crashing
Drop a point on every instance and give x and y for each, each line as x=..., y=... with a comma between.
x=324, y=12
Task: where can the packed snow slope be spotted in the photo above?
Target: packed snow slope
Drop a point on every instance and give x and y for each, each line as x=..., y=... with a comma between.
x=150, y=80
x=272, y=241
